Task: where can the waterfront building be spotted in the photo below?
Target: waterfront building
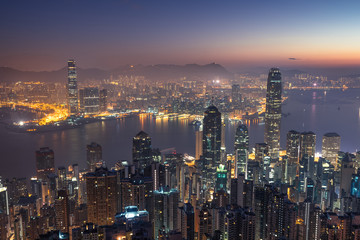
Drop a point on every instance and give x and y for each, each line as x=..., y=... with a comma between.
x=45, y=164
x=307, y=144
x=72, y=89
x=103, y=100
x=93, y=156
x=89, y=99
x=141, y=151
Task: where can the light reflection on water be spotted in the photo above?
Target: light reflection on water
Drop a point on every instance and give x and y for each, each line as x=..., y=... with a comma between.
x=338, y=112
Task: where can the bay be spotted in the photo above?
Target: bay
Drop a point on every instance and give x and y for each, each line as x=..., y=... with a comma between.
x=312, y=110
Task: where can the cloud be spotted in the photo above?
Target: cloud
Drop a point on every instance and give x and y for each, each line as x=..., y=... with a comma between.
x=293, y=59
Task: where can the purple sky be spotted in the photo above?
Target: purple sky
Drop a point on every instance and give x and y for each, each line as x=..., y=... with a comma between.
x=43, y=34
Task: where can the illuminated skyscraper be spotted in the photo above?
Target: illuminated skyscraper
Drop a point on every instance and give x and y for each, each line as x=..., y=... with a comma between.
x=17, y=188
x=241, y=148
x=241, y=192
x=262, y=198
x=72, y=88
x=62, y=181
x=44, y=163
x=135, y=191
x=102, y=100
x=239, y=224
x=205, y=225
x=93, y=155
x=211, y=143
x=292, y=146
x=62, y=211
x=165, y=211
x=198, y=143
x=4, y=199
x=3, y=225
x=101, y=189
x=89, y=100
x=187, y=222
x=273, y=112
x=307, y=144
x=142, y=154
x=261, y=151
x=331, y=147
x=221, y=178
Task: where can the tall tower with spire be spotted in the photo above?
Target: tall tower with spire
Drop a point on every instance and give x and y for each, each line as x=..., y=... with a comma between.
x=273, y=112
x=72, y=88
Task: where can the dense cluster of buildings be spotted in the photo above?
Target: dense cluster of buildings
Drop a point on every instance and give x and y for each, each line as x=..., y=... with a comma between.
x=266, y=194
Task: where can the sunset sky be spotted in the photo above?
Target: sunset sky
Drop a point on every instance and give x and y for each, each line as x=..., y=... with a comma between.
x=43, y=34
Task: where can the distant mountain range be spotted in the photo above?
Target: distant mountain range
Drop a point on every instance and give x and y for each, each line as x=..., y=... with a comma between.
x=161, y=72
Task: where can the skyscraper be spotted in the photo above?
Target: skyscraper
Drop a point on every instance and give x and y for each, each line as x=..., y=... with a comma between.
x=198, y=143
x=239, y=224
x=262, y=200
x=205, y=222
x=141, y=152
x=62, y=181
x=101, y=191
x=261, y=151
x=292, y=146
x=221, y=178
x=4, y=200
x=165, y=211
x=331, y=147
x=307, y=144
x=44, y=163
x=211, y=143
x=72, y=88
x=93, y=155
x=89, y=100
x=62, y=211
x=102, y=100
x=241, y=148
x=135, y=191
x=273, y=112
x=187, y=222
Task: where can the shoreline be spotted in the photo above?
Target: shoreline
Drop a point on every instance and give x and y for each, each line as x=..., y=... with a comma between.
x=80, y=122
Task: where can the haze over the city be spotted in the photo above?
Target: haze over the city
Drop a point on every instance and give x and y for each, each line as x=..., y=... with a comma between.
x=42, y=35
x=179, y=120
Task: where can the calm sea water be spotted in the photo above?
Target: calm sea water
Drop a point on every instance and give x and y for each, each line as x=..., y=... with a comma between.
x=317, y=111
